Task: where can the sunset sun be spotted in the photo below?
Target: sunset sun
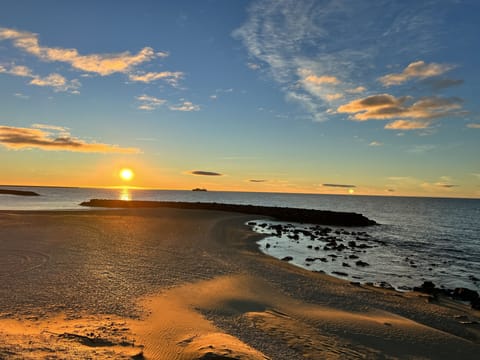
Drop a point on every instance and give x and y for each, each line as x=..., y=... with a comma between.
x=126, y=174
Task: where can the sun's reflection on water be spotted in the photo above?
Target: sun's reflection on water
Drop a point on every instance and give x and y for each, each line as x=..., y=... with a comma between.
x=125, y=194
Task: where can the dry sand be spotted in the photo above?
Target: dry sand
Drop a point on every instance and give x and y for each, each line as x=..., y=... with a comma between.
x=190, y=284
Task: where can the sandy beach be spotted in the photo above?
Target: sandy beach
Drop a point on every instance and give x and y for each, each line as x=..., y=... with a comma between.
x=192, y=284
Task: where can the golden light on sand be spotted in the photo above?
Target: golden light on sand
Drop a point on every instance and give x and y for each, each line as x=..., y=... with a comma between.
x=126, y=174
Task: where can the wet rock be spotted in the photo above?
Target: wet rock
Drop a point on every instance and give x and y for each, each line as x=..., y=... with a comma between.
x=362, y=263
x=339, y=273
x=267, y=245
x=352, y=244
x=473, y=278
x=427, y=287
x=287, y=258
x=465, y=294
x=353, y=257
x=310, y=246
x=345, y=265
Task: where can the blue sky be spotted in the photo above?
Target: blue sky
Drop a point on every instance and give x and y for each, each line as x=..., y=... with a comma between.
x=300, y=96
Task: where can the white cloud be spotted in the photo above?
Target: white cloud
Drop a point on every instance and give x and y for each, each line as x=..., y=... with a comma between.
x=185, y=106
x=375, y=143
x=170, y=77
x=149, y=103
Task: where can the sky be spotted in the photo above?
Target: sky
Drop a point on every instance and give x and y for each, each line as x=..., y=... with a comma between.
x=329, y=97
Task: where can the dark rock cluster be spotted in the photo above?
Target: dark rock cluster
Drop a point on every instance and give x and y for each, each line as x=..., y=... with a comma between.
x=460, y=293
x=331, y=244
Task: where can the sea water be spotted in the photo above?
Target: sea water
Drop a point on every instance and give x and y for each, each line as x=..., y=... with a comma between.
x=418, y=239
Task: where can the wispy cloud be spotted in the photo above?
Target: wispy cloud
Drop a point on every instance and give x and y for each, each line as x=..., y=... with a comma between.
x=473, y=126
x=57, y=82
x=21, y=96
x=306, y=47
x=257, y=180
x=170, y=77
x=419, y=149
x=205, y=173
x=356, y=90
x=375, y=143
x=148, y=103
x=185, y=106
x=417, y=69
x=54, y=80
x=53, y=138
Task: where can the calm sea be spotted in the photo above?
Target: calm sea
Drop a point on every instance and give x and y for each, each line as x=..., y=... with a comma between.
x=419, y=239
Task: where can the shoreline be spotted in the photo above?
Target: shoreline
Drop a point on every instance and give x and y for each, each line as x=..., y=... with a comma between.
x=90, y=269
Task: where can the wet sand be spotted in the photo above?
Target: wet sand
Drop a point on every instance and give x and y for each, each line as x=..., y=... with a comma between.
x=191, y=284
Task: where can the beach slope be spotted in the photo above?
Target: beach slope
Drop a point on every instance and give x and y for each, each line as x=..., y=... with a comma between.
x=191, y=284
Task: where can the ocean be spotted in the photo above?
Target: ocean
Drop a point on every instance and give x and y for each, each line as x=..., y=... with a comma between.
x=418, y=239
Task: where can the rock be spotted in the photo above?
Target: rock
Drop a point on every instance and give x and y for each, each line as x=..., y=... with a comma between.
x=465, y=294
x=339, y=273
x=475, y=304
x=267, y=245
x=427, y=287
x=353, y=257
x=345, y=264
x=287, y=258
x=362, y=263
x=352, y=244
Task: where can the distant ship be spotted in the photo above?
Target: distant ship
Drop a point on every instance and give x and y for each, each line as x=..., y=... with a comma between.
x=199, y=189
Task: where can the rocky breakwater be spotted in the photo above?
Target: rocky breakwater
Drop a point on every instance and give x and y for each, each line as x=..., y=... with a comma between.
x=18, y=192
x=298, y=215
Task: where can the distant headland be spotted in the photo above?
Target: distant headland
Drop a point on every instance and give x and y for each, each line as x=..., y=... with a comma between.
x=320, y=217
x=18, y=192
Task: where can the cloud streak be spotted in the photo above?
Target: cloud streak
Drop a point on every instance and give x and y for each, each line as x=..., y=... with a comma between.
x=54, y=138
x=205, y=173
x=339, y=185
